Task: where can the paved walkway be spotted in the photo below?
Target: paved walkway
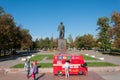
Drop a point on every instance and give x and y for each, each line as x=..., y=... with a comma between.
x=94, y=73
x=110, y=75
x=50, y=76
x=10, y=62
x=107, y=58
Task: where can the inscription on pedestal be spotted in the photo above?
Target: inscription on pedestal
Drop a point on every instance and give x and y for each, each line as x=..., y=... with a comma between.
x=61, y=45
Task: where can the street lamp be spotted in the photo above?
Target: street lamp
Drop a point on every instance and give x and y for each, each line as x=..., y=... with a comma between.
x=111, y=42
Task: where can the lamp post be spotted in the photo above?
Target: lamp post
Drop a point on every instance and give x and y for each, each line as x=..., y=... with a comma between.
x=110, y=42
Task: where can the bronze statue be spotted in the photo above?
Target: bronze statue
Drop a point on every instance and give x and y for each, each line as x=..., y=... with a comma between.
x=61, y=30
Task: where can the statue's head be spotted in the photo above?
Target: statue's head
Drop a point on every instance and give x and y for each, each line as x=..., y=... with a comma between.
x=61, y=22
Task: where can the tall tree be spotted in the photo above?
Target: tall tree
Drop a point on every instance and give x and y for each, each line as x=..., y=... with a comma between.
x=7, y=28
x=116, y=27
x=12, y=36
x=103, y=37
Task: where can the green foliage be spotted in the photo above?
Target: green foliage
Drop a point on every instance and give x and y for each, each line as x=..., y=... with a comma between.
x=46, y=43
x=107, y=34
x=104, y=37
x=26, y=41
x=12, y=36
x=85, y=41
x=37, y=43
x=116, y=27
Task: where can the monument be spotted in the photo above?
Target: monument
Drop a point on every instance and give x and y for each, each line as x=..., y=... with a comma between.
x=61, y=40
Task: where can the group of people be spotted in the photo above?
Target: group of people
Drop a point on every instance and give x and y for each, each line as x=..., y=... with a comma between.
x=28, y=67
x=34, y=68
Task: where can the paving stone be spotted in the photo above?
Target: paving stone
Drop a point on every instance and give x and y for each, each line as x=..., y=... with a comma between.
x=50, y=76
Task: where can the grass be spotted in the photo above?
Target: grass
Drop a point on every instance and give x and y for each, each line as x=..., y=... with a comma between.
x=99, y=64
x=50, y=57
x=89, y=58
x=49, y=65
x=40, y=57
x=18, y=66
x=40, y=65
x=45, y=65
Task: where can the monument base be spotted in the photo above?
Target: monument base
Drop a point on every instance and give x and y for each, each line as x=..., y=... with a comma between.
x=62, y=45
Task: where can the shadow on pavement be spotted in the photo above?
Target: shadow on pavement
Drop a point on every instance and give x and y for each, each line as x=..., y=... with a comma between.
x=9, y=58
x=40, y=76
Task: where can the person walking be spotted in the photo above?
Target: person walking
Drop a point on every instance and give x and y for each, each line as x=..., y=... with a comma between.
x=27, y=67
x=35, y=70
x=66, y=66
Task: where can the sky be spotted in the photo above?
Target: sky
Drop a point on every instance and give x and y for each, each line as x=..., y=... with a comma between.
x=42, y=17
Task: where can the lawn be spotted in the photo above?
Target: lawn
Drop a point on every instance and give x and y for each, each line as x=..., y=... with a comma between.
x=99, y=64
x=49, y=65
x=50, y=57
x=89, y=58
x=18, y=66
x=40, y=65
x=40, y=57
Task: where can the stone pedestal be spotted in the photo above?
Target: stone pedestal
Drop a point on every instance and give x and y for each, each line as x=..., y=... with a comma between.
x=62, y=45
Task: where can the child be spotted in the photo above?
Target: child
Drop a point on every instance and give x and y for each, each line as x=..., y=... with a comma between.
x=66, y=66
x=35, y=70
x=27, y=68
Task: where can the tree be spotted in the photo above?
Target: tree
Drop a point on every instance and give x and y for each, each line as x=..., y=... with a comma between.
x=17, y=37
x=26, y=41
x=12, y=36
x=1, y=11
x=77, y=42
x=103, y=37
x=71, y=42
x=116, y=28
x=53, y=43
x=47, y=43
x=37, y=43
x=7, y=28
x=85, y=41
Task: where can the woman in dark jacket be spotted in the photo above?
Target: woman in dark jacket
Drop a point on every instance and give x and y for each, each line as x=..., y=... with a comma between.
x=35, y=70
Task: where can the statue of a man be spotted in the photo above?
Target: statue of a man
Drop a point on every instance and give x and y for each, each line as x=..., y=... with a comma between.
x=61, y=30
